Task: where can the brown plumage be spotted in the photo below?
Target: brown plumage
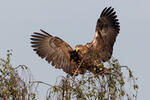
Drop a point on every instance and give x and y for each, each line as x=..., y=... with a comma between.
x=62, y=56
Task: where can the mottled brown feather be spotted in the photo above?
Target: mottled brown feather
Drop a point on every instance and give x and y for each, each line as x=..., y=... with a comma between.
x=54, y=50
x=107, y=29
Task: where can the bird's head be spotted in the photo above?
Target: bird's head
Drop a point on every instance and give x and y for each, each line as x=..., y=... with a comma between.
x=81, y=50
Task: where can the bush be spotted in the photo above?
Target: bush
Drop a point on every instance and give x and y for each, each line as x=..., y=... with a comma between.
x=108, y=84
x=12, y=85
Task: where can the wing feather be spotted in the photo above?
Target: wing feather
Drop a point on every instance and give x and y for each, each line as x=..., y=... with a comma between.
x=53, y=49
x=107, y=27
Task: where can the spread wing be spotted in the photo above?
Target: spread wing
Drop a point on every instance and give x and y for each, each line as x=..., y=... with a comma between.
x=107, y=28
x=53, y=49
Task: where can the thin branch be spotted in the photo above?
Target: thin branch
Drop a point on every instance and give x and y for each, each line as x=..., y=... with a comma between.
x=40, y=82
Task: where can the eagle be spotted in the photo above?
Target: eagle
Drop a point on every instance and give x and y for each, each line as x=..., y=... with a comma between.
x=84, y=57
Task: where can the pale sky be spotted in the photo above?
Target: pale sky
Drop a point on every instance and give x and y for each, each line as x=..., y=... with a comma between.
x=74, y=21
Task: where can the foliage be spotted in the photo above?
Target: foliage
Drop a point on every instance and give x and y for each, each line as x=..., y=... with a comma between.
x=12, y=85
x=109, y=84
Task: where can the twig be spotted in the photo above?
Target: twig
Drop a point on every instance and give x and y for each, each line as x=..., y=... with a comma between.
x=40, y=83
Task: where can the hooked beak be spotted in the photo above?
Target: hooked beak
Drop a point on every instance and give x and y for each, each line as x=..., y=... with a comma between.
x=77, y=49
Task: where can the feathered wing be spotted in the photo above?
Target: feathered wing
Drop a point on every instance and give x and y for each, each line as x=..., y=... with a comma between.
x=54, y=50
x=107, y=27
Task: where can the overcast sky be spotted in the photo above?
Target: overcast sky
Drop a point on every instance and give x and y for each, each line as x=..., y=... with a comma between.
x=74, y=21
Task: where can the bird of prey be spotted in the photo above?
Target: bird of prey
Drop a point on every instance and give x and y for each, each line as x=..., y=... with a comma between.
x=84, y=57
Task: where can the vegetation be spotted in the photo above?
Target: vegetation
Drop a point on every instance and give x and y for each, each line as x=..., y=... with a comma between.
x=109, y=84
x=113, y=82
x=12, y=85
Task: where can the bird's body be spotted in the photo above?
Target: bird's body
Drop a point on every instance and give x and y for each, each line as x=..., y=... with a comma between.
x=84, y=57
